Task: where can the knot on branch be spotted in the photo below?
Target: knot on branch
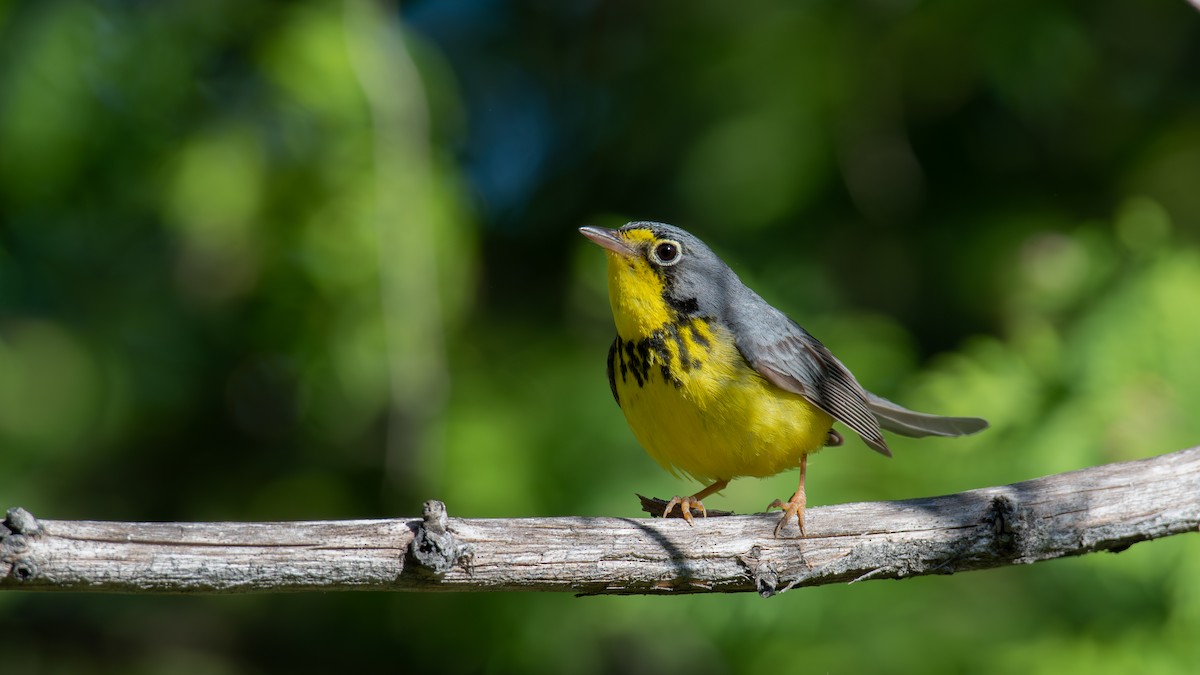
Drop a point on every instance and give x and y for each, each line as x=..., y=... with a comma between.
x=20, y=521
x=434, y=547
x=1006, y=524
x=763, y=572
x=18, y=526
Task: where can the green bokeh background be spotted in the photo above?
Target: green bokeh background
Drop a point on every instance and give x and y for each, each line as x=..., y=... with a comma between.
x=318, y=260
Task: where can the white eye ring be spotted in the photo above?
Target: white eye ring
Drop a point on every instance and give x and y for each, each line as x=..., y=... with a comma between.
x=666, y=252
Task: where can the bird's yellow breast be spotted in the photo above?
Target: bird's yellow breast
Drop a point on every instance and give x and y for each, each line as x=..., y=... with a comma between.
x=692, y=400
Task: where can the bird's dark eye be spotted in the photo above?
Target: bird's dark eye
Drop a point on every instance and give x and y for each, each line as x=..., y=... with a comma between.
x=666, y=253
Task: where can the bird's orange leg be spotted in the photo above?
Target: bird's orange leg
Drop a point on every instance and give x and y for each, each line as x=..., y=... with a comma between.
x=795, y=507
x=686, y=504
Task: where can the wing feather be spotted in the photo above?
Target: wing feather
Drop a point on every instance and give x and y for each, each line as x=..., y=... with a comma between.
x=797, y=362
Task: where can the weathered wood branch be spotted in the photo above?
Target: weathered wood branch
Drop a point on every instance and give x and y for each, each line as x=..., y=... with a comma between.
x=1107, y=507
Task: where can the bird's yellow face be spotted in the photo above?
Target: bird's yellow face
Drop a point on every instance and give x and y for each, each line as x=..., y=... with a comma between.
x=636, y=282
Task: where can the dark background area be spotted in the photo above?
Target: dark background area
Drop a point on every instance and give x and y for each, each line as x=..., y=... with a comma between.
x=319, y=260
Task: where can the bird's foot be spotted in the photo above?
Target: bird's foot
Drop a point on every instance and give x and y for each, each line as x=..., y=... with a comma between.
x=795, y=507
x=685, y=504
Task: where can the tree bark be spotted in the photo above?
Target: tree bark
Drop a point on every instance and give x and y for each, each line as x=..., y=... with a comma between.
x=1107, y=507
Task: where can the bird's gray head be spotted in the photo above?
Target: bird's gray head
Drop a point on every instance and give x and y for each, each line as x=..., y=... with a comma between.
x=655, y=263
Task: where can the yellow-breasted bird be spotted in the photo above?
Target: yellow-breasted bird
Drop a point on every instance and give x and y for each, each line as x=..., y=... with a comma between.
x=716, y=383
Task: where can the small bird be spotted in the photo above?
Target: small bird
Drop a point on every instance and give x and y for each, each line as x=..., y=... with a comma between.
x=717, y=384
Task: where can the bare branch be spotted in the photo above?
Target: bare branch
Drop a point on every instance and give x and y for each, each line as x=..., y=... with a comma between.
x=1106, y=507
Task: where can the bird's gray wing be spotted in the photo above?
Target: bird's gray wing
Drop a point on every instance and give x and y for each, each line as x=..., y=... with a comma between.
x=791, y=359
x=914, y=424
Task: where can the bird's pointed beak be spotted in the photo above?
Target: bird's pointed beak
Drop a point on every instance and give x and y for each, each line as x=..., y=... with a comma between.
x=609, y=239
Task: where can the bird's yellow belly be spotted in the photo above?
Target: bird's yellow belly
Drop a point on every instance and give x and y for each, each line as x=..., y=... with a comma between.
x=697, y=407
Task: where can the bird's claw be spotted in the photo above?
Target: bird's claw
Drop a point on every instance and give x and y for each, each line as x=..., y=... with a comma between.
x=685, y=504
x=795, y=507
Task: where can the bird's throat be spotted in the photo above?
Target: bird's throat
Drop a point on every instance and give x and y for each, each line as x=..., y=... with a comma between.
x=635, y=292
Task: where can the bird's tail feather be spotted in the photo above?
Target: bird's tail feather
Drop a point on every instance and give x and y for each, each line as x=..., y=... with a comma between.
x=910, y=423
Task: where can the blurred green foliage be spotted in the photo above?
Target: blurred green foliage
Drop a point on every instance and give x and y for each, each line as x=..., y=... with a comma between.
x=318, y=260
